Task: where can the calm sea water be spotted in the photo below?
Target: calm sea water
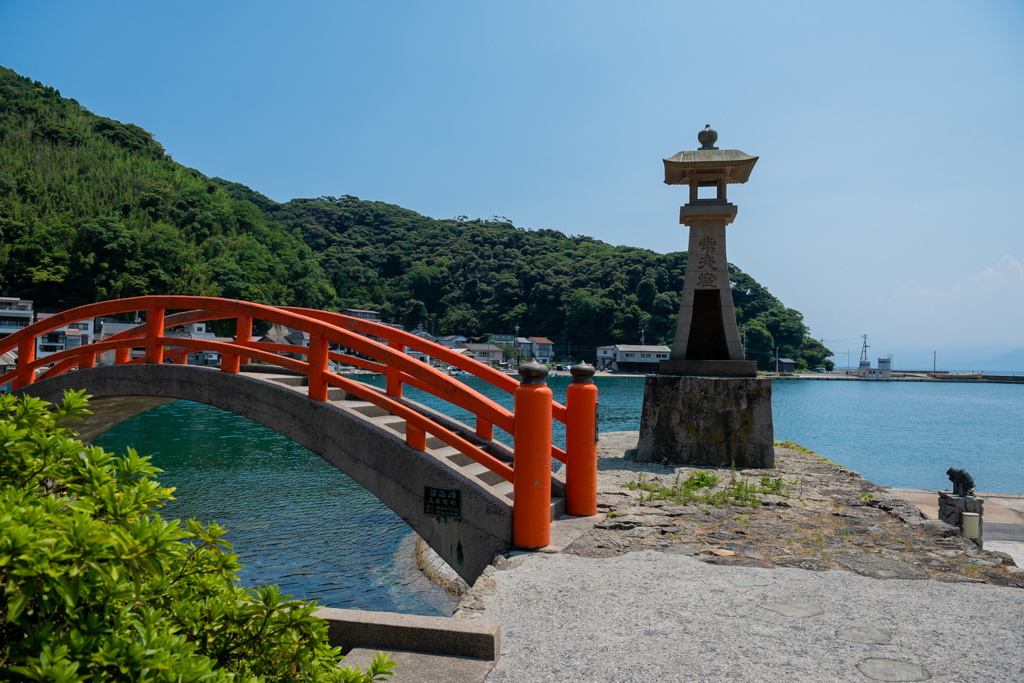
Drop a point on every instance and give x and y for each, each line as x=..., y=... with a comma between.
x=907, y=434
x=293, y=519
x=296, y=521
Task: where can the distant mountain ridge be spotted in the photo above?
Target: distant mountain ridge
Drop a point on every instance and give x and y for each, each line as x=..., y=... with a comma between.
x=1011, y=362
x=92, y=209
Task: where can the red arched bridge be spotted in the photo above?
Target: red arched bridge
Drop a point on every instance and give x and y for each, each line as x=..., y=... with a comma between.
x=466, y=494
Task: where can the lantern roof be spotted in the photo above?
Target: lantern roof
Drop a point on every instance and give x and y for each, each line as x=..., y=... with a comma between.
x=693, y=165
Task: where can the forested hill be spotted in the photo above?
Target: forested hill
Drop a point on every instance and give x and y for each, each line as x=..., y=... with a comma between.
x=91, y=209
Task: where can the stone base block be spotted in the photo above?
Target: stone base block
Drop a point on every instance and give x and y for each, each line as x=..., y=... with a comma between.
x=951, y=509
x=709, y=368
x=707, y=422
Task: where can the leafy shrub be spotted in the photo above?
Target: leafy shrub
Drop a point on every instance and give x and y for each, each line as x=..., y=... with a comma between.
x=95, y=586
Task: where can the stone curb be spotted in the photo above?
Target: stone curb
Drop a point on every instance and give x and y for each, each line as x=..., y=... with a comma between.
x=349, y=628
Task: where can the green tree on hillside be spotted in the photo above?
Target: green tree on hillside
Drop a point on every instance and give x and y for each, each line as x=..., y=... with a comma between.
x=92, y=209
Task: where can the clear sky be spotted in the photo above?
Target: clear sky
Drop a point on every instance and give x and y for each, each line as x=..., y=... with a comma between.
x=888, y=198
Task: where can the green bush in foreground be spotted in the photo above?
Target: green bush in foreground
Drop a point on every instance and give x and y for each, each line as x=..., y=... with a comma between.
x=95, y=586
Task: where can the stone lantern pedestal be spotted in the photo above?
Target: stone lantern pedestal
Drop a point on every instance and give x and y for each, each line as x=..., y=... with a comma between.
x=707, y=407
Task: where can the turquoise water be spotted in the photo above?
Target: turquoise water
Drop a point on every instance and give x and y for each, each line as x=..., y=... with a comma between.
x=296, y=521
x=293, y=519
x=907, y=434
x=904, y=434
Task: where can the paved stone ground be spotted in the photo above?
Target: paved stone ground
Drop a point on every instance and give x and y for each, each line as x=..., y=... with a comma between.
x=648, y=590
x=830, y=518
x=653, y=616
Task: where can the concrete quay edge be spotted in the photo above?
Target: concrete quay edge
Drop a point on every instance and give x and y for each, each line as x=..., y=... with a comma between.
x=388, y=631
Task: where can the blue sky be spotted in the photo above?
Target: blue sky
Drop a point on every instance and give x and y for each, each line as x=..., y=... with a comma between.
x=887, y=200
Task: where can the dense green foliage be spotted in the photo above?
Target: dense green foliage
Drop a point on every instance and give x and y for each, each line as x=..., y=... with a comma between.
x=92, y=209
x=474, y=277
x=95, y=586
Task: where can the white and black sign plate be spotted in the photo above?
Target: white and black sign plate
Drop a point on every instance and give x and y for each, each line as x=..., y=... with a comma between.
x=438, y=502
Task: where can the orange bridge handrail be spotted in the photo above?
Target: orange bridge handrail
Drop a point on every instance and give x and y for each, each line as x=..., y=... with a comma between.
x=326, y=329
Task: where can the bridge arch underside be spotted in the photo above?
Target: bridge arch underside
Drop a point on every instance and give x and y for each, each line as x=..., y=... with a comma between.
x=377, y=458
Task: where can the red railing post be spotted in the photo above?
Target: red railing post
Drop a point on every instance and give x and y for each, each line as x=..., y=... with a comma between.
x=122, y=355
x=154, y=330
x=243, y=334
x=317, y=358
x=394, y=382
x=181, y=359
x=26, y=354
x=415, y=437
x=232, y=362
x=581, y=442
x=86, y=360
x=229, y=362
x=484, y=429
x=531, y=481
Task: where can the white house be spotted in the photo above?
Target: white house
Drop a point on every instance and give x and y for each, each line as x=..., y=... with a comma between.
x=883, y=371
x=15, y=314
x=542, y=348
x=637, y=358
x=67, y=337
x=486, y=353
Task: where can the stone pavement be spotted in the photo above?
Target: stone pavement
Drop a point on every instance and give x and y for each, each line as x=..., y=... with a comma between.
x=827, y=517
x=654, y=616
x=654, y=589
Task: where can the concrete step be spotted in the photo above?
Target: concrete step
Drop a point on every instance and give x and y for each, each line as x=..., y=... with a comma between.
x=365, y=408
x=333, y=393
x=455, y=456
x=503, y=489
x=421, y=667
x=287, y=380
x=390, y=421
x=482, y=473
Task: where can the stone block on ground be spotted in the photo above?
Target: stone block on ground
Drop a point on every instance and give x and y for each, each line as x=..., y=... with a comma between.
x=707, y=422
x=876, y=567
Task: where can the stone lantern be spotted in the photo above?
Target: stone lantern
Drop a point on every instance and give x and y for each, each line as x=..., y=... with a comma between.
x=707, y=407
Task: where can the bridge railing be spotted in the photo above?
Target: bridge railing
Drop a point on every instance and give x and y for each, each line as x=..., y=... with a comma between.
x=400, y=339
x=529, y=424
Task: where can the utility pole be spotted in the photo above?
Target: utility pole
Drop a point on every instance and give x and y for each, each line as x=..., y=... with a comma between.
x=744, y=340
x=864, y=348
x=776, y=360
x=515, y=345
x=935, y=355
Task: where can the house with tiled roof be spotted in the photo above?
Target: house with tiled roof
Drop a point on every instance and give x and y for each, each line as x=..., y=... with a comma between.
x=486, y=353
x=543, y=349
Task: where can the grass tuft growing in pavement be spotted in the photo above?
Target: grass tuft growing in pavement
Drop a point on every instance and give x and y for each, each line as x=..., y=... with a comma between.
x=703, y=487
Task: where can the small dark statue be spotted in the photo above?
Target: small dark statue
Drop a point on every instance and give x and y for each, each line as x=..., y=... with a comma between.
x=963, y=482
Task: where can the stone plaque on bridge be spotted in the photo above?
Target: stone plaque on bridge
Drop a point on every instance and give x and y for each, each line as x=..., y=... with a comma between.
x=438, y=502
